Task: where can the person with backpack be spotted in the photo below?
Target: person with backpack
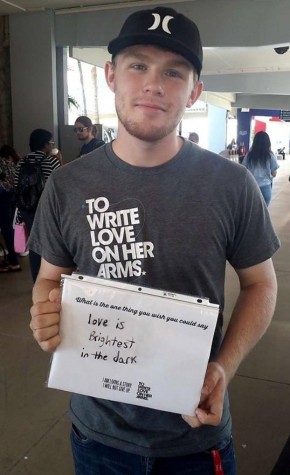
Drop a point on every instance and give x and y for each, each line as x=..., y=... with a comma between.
x=8, y=162
x=31, y=174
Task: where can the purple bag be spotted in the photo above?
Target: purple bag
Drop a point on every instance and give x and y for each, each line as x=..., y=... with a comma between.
x=20, y=238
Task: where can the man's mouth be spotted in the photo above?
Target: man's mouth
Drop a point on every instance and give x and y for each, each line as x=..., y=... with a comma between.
x=151, y=106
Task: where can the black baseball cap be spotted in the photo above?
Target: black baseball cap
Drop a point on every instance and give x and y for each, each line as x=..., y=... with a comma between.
x=163, y=27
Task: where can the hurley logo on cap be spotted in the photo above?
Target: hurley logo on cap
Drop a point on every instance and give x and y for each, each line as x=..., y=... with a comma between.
x=162, y=27
x=164, y=24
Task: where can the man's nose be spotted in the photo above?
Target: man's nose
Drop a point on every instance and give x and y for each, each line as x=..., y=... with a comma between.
x=154, y=83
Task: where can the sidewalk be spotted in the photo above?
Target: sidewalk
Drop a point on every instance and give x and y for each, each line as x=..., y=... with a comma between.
x=260, y=392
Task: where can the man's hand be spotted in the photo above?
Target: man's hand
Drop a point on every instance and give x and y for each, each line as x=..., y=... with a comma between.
x=250, y=319
x=45, y=321
x=210, y=407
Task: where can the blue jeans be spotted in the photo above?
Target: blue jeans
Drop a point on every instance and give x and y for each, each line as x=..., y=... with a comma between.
x=93, y=458
x=267, y=193
x=6, y=225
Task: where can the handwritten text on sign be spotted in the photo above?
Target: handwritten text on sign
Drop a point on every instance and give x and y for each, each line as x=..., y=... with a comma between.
x=132, y=347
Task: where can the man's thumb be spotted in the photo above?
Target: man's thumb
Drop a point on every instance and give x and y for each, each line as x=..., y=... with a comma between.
x=54, y=296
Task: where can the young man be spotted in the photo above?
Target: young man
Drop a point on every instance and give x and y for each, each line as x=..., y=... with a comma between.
x=197, y=210
x=86, y=132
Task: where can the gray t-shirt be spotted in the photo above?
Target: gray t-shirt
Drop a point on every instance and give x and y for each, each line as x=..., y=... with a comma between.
x=171, y=227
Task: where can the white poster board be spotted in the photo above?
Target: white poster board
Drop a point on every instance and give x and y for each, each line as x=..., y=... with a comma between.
x=134, y=345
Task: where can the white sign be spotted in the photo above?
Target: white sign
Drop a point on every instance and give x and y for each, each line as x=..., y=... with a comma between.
x=133, y=344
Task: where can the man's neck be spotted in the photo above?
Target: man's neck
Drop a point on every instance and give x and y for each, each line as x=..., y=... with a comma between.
x=142, y=153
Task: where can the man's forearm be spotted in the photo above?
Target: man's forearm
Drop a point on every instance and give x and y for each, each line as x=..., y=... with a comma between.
x=250, y=319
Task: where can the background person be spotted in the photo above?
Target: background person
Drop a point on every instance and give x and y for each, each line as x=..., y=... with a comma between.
x=262, y=163
x=86, y=131
x=41, y=144
x=193, y=137
x=281, y=151
x=232, y=146
x=217, y=215
x=8, y=162
x=241, y=152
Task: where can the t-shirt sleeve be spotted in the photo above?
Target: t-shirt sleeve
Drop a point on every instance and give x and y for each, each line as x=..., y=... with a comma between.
x=254, y=239
x=46, y=237
x=18, y=166
x=55, y=163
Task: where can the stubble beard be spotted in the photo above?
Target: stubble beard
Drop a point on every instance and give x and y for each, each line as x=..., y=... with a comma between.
x=150, y=133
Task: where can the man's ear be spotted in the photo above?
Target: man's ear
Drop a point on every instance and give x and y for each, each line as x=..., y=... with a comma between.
x=110, y=75
x=195, y=93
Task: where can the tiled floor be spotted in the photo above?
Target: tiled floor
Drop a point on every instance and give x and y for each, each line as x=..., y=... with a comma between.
x=260, y=391
x=34, y=436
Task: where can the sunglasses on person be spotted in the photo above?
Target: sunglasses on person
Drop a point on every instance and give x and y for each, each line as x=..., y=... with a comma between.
x=79, y=129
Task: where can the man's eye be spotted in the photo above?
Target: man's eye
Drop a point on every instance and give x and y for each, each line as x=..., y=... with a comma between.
x=138, y=67
x=174, y=74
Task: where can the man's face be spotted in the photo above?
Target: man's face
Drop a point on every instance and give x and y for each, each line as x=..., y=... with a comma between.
x=48, y=147
x=81, y=131
x=152, y=88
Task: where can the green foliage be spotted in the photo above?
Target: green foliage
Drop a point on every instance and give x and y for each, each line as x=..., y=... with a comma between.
x=73, y=102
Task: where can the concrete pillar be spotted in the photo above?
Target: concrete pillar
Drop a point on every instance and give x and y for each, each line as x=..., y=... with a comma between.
x=33, y=76
x=5, y=87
